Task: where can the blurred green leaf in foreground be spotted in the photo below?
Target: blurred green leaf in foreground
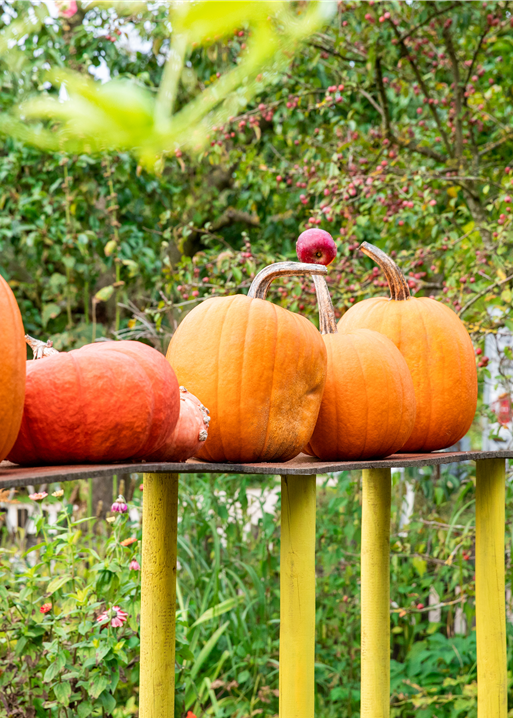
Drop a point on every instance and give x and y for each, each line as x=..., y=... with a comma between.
x=120, y=115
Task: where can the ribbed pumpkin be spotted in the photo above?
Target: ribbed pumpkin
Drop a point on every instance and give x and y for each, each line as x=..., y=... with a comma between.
x=437, y=349
x=190, y=432
x=104, y=402
x=12, y=369
x=368, y=407
x=259, y=368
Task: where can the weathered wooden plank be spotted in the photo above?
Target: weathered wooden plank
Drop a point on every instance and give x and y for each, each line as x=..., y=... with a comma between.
x=12, y=475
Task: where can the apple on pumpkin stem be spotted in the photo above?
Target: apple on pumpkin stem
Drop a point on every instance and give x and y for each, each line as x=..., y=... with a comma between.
x=316, y=246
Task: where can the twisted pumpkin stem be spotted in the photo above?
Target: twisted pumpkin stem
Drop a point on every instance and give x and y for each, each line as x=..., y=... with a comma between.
x=261, y=283
x=397, y=283
x=327, y=321
x=39, y=348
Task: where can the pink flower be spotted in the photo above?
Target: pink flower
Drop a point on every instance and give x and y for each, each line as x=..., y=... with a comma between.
x=119, y=505
x=66, y=8
x=45, y=608
x=134, y=565
x=115, y=615
x=38, y=497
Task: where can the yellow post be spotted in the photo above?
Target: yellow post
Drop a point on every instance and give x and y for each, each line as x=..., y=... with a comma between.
x=492, y=678
x=375, y=587
x=297, y=597
x=158, y=601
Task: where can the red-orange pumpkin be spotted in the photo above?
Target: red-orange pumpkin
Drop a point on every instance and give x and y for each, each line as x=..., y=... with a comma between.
x=437, y=349
x=259, y=368
x=368, y=406
x=104, y=402
x=190, y=432
x=12, y=369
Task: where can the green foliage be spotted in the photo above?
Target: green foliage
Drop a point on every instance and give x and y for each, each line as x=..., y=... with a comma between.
x=64, y=663
x=391, y=129
x=122, y=115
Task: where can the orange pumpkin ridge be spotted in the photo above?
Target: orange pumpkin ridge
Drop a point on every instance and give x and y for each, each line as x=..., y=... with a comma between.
x=437, y=349
x=368, y=406
x=12, y=373
x=259, y=368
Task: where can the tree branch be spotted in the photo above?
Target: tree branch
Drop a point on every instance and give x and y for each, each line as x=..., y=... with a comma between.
x=485, y=291
x=492, y=145
x=457, y=90
x=426, y=22
x=335, y=53
x=385, y=113
x=423, y=87
x=476, y=53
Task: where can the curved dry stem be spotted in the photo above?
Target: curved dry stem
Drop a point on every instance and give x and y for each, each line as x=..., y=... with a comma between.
x=397, y=283
x=327, y=321
x=40, y=349
x=261, y=283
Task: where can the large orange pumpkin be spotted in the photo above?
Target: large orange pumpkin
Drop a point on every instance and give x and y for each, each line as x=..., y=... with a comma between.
x=12, y=369
x=259, y=368
x=104, y=402
x=368, y=406
x=437, y=349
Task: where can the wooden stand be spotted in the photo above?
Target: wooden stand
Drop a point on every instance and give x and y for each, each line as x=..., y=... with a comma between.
x=375, y=572
x=158, y=596
x=297, y=632
x=297, y=597
x=492, y=674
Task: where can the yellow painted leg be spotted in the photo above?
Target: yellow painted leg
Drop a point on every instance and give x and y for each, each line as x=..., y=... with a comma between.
x=297, y=597
x=490, y=589
x=375, y=586
x=158, y=602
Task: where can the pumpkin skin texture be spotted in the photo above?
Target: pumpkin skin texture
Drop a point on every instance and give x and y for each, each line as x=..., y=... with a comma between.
x=103, y=402
x=12, y=369
x=190, y=432
x=368, y=407
x=439, y=354
x=259, y=368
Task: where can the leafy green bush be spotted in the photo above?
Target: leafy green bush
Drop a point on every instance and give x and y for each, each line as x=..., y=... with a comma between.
x=65, y=663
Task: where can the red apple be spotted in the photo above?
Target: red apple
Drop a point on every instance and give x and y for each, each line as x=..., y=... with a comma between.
x=315, y=246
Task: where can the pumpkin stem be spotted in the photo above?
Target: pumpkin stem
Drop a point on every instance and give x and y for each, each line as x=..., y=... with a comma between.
x=40, y=349
x=397, y=283
x=261, y=283
x=327, y=321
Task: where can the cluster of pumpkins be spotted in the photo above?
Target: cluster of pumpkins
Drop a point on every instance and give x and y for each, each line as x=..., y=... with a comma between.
x=397, y=374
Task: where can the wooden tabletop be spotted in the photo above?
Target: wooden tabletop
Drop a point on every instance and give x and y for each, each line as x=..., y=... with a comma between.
x=13, y=475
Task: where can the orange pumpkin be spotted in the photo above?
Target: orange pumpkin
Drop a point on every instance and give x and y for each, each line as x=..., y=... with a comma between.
x=104, y=402
x=368, y=407
x=12, y=369
x=437, y=349
x=190, y=432
x=259, y=368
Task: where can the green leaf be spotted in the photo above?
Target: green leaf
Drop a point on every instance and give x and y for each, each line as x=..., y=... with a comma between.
x=62, y=692
x=85, y=710
x=108, y=701
x=50, y=311
x=207, y=650
x=57, y=582
x=218, y=610
x=420, y=565
x=104, y=294
x=98, y=685
x=54, y=669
